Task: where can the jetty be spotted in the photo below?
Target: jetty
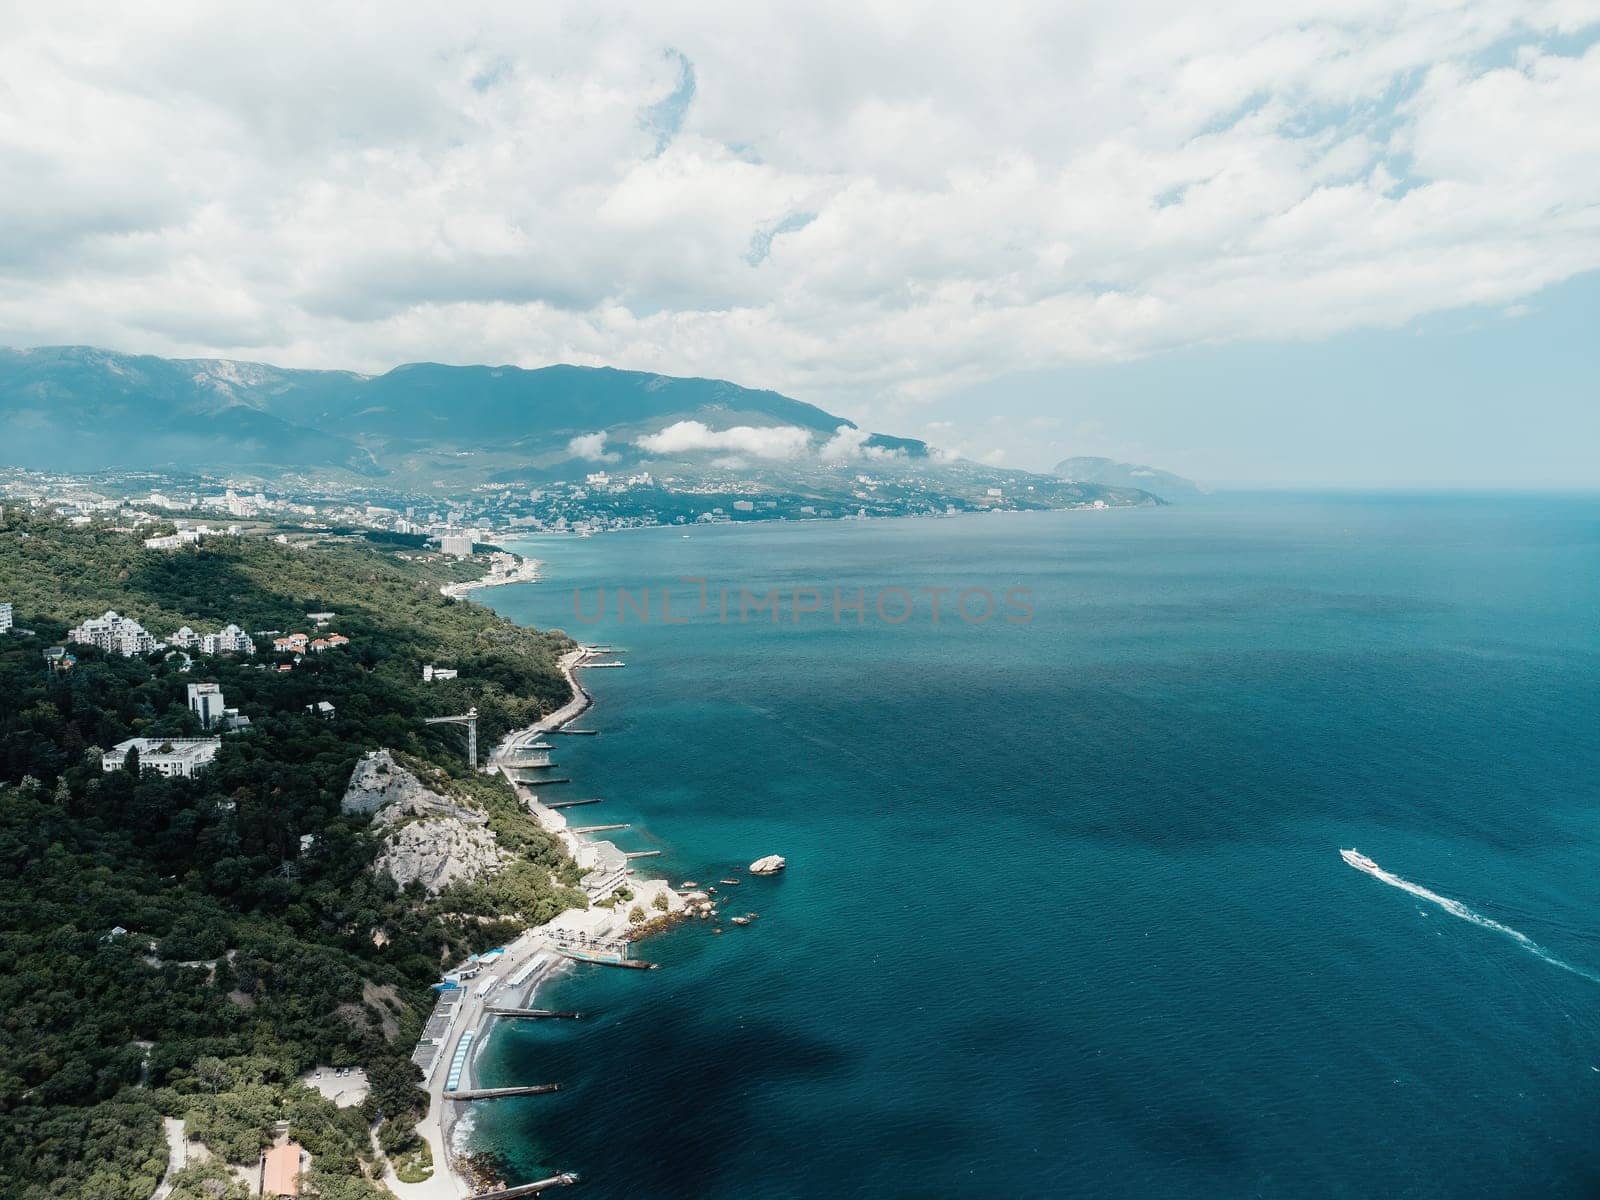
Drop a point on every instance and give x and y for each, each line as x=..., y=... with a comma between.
x=598, y=828
x=641, y=854
x=572, y=803
x=498, y=1011
x=602, y=960
x=613, y=663
x=565, y=1179
x=500, y=1093
x=574, y=732
x=526, y=758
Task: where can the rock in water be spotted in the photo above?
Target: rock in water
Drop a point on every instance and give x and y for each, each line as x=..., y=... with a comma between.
x=770, y=865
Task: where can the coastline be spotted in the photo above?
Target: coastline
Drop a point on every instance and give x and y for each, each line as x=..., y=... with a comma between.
x=527, y=963
x=525, y=570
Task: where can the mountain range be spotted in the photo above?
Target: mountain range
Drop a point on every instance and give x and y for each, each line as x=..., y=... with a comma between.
x=82, y=409
x=1090, y=469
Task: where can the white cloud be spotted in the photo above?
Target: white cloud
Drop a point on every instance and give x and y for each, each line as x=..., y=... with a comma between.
x=757, y=441
x=836, y=201
x=848, y=443
x=591, y=446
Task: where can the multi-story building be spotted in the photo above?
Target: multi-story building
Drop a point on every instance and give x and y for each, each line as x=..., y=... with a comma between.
x=170, y=756
x=205, y=701
x=114, y=635
x=5, y=617
x=229, y=640
x=173, y=541
x=607, y=869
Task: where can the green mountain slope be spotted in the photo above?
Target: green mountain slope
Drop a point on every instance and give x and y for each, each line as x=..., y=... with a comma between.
x=78, y=409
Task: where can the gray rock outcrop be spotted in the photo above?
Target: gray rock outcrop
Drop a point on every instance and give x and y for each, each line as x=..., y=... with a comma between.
x=426, y=836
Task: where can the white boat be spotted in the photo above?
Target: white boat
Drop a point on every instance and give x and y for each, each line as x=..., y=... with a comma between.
x=1360, y=861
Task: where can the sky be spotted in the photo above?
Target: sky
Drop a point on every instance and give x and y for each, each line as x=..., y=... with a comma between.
x=1286, y=241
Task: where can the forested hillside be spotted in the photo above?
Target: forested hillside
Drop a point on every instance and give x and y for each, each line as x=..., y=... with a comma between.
x=247, y=954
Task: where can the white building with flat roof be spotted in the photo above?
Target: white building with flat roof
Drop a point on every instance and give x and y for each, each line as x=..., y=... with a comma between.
x=457, y=544
x=205, y=702
x=170, y=756
x=607, y=869
x=173, y=541
x=5, y=617
x=114, y=635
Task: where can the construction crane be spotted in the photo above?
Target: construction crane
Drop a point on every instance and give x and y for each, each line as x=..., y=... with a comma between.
x=470, y=720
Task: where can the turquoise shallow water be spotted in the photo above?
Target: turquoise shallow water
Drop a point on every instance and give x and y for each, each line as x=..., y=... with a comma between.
x=1065, y=914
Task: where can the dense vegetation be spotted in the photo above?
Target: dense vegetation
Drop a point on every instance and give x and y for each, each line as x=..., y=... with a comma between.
x=173, y=946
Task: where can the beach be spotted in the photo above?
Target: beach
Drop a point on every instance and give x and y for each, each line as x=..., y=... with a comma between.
x=514, y=975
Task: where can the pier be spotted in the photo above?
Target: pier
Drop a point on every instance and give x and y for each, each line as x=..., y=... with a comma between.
x=565, y=1179
x=641, y=854
x=633, y=964
x=526, y=759
x=597, y=828
x=532, y=1013
x=558, y=804
x=536, y=1089
x=574, y=732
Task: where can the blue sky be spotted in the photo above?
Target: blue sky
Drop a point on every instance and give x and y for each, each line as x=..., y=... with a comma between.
x=1477, y=398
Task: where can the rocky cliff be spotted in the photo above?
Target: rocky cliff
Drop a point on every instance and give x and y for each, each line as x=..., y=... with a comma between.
x=427, y=836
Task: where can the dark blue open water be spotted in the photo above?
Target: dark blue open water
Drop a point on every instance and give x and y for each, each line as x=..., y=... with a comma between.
x=1065, y=914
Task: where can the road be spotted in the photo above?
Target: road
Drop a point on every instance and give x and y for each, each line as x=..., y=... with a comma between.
x=177, y=1155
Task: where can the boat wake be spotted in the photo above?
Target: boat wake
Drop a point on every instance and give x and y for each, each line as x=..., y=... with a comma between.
x=1457, y=909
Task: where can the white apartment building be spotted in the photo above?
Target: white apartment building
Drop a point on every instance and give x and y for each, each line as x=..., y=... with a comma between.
x=5, y=617
x=170, y=756
x=229, y=640
x=457, y=544
x=205, y=701
x=114, y=635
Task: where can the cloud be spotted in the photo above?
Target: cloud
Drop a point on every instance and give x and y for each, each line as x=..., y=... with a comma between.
x=764, y=441
x=591, y=446
x=851, y=209
x=850, y=443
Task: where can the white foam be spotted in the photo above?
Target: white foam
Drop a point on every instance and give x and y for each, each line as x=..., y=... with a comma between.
x=1457, y=909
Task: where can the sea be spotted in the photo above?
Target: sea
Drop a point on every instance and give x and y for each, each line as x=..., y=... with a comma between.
x=1065, y=913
